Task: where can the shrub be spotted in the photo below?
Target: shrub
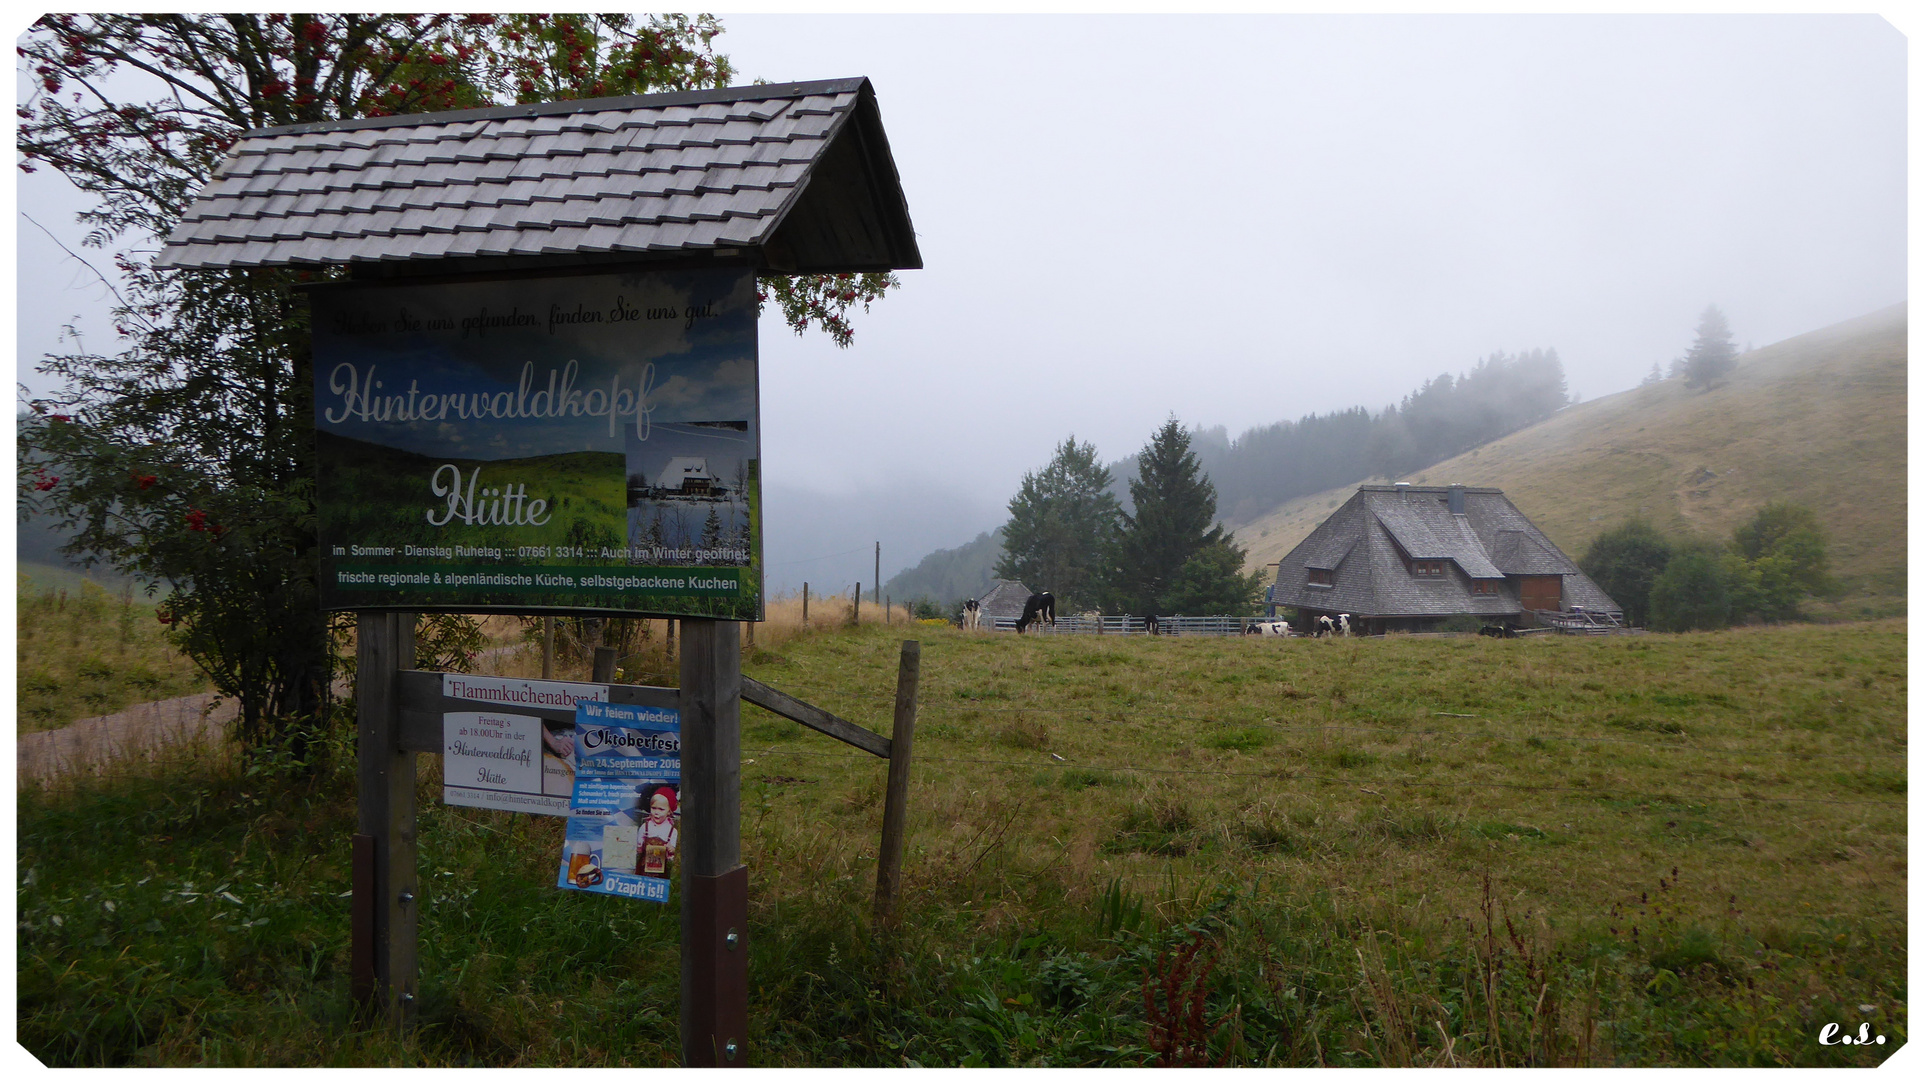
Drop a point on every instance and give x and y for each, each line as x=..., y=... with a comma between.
x=1691, y=594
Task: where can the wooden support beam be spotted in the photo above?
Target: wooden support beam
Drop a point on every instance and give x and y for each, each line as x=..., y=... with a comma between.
x=759, y=693
x=713, y=969
x=385, y=863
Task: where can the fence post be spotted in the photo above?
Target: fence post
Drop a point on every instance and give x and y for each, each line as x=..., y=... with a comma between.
x=385, y=972
x=856, y=603
x=547, y=647
x=893, y=828
x=803, y=603
x=713, y=905
x=605, y=658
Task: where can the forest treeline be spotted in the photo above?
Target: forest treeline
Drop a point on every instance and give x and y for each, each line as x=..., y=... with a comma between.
x=1448, y=415
x=1270, y=464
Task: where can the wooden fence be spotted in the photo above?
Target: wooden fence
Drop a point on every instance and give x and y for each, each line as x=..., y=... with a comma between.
x=1173, y=625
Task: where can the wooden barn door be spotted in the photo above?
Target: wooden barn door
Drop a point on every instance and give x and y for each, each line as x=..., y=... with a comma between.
x=1541, y=593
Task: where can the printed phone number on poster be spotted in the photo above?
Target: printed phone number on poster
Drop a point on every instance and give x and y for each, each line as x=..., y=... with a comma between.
x=348, y=578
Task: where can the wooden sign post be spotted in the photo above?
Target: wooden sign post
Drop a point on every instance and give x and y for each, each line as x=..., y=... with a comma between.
x=447, y=540
x=386, y=915
x=713, y=905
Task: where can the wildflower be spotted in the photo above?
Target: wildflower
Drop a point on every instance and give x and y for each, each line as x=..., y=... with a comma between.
x=145, y=482
x=197, y=520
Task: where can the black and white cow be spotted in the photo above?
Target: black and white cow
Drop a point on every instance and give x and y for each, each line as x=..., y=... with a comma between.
x=971, y=614
x=1324, y=627
x=1039, y=609
x=1269, y=628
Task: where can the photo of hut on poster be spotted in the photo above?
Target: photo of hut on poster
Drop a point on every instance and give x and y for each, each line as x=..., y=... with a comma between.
x=585, y=443
x=623, y=834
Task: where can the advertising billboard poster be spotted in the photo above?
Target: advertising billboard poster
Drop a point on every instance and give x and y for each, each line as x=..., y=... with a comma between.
x=498, y=759
x=585, y=443
x=623, y=834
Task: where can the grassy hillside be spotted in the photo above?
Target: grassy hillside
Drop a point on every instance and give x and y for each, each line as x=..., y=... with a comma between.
x=81, y=650
x=1819, y=419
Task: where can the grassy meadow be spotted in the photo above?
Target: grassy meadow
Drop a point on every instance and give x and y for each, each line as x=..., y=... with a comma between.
x=80, y=650
x=1659, y=850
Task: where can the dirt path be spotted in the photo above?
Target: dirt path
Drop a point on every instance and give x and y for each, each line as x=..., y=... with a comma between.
x=92, y=744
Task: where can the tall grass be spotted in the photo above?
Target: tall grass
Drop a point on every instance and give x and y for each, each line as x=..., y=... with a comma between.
x=86, y=652
x=1655, y=851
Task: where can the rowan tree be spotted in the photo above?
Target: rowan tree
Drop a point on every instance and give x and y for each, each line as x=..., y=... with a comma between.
x=185, y=455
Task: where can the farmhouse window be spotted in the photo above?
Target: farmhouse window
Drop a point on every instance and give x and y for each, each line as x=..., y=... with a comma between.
x=1485, y=586
x=1320, y=577
x=1428, y=567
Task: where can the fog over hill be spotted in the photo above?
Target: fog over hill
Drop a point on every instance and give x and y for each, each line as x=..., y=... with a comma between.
x=1819, y=419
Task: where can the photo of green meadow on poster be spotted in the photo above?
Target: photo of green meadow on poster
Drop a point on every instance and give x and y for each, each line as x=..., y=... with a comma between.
x=580, y=443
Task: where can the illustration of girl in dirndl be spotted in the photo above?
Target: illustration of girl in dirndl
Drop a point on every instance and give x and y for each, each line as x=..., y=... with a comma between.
x=660, y=832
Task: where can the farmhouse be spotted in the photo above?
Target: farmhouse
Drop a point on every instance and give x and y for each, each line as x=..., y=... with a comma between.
x=687, y=477
x=1402, y=557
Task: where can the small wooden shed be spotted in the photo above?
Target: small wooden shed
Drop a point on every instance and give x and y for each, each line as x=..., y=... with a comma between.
x=1006, y=600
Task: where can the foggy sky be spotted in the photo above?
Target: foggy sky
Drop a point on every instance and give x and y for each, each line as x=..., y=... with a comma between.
x=1245, y=219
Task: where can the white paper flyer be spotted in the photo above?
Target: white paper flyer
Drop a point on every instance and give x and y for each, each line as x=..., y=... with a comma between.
x=503, y=760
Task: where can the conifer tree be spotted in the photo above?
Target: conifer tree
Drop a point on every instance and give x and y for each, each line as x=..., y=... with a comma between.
x=1169, y=553
x=1712, y=355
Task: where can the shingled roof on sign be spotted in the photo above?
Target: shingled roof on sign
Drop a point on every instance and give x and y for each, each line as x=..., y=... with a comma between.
x=793, y=177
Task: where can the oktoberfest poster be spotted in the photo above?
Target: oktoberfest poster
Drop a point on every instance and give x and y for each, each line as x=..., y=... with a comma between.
x=584, y=443
x=623, y=834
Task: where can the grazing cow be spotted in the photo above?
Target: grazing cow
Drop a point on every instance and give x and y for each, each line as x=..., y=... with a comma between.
x=1270, y=628
x=1500, y=631
x=971, y=614
x=1039, y=609
x=1154, y=625
x=1342, y=619
x=1323, y=627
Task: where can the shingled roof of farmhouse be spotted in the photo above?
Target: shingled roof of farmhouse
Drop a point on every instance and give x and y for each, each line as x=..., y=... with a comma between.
x=1368, y=545
x=792, y=177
